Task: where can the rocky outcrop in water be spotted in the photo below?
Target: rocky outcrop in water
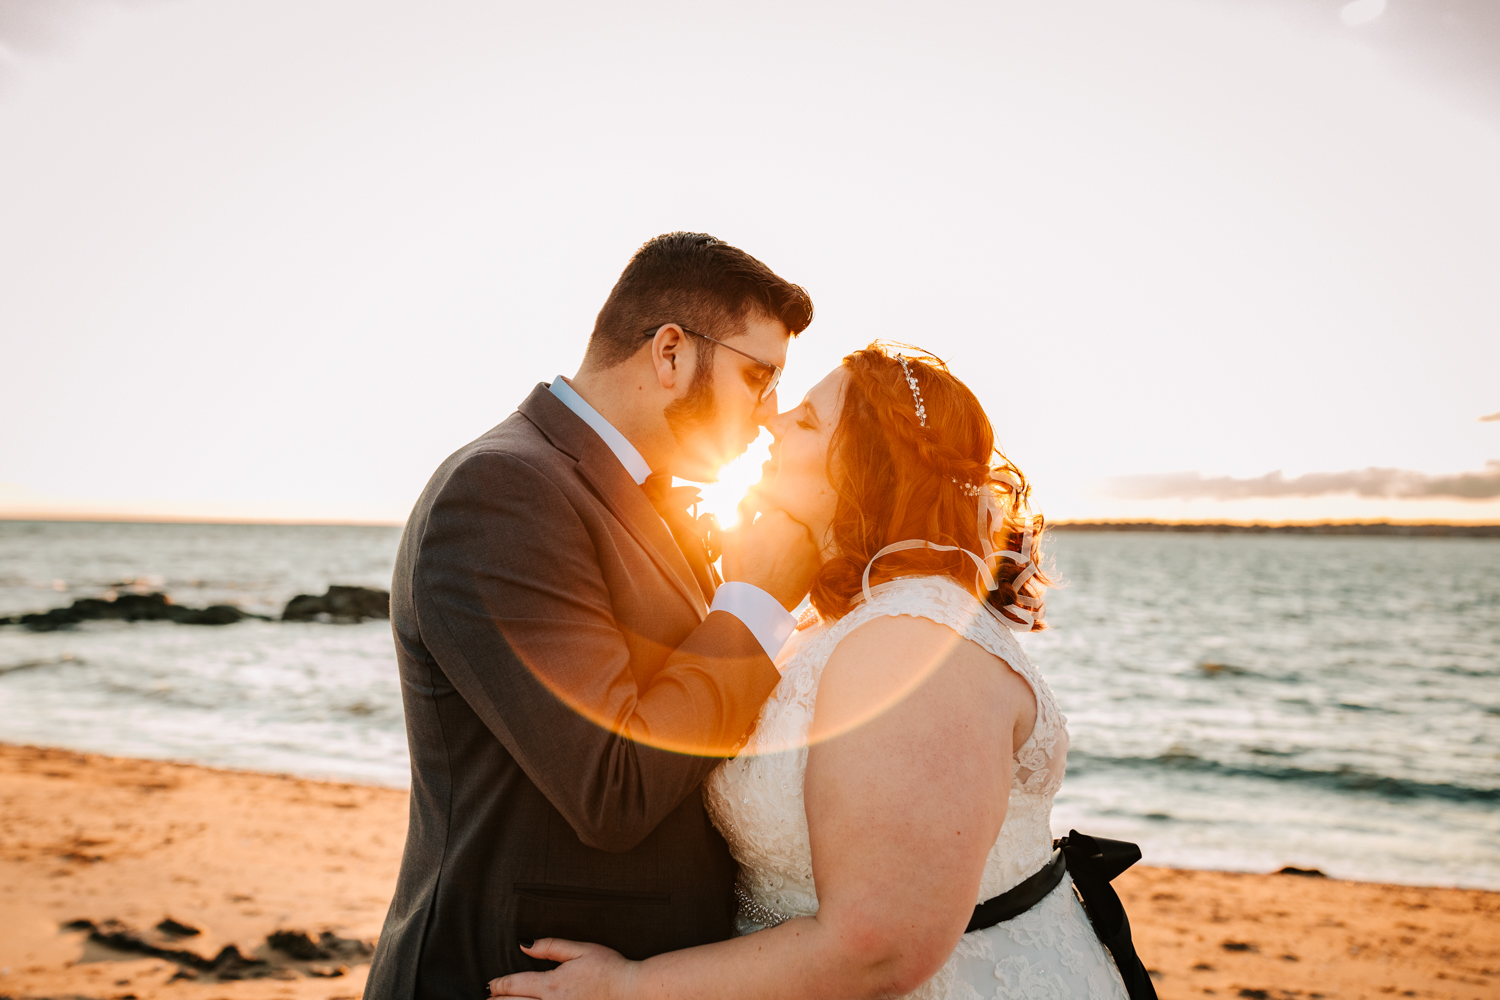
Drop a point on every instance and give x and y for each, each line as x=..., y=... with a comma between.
x=131, y=608
x=340, y=604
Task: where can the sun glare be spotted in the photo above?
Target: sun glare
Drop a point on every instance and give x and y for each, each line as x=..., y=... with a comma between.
x=735, y=479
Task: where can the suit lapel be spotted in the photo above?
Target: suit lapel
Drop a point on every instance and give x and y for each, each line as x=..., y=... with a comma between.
x=612, y=484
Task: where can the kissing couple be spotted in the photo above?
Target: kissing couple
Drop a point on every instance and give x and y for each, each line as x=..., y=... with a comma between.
x=635, y=778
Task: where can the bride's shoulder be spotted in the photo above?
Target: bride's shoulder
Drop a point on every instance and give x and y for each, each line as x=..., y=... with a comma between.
x=881, y=661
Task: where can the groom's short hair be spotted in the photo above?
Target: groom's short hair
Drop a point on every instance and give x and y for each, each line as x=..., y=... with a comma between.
x=697, y=281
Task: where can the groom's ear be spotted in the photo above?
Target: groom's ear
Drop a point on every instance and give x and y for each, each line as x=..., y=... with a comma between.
x=670, y=356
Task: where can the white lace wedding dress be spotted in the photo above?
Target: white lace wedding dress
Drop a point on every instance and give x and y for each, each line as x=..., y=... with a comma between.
x=1050, y=952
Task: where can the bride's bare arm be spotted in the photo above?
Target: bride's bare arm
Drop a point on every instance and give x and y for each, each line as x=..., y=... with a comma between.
x=906, y=789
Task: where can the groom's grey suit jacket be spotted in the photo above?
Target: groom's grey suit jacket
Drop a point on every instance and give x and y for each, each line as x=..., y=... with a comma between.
x=551, y=641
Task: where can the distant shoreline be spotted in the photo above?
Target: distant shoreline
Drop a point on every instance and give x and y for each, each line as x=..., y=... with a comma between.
x=1323, y=528
x=29, y=518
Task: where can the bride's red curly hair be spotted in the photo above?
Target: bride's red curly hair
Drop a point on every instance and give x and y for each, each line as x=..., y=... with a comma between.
x=896, y=479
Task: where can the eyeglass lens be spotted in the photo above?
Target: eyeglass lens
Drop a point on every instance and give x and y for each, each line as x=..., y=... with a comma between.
x=770, y=388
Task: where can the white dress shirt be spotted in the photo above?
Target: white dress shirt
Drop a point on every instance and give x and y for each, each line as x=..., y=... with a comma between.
x=762, y=614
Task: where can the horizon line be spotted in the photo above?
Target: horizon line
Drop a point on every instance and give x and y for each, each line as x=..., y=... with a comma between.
x=39, y=516
x=87, y=518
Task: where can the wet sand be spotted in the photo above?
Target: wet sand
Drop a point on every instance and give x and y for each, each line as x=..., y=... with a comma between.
x=286, y=881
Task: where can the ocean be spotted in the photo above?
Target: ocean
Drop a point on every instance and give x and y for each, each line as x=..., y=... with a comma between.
x=1236, y=702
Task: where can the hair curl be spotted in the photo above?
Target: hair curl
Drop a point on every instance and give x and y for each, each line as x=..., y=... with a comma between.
x=895, y=479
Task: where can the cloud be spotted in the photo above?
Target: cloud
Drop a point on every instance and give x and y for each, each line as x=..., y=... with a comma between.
x=1398, y=484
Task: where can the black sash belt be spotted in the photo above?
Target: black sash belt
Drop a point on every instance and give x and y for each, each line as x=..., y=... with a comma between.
x=1094, y=861
x=1016, y=901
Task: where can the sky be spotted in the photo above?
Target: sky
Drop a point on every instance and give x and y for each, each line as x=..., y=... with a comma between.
x=1228, y=261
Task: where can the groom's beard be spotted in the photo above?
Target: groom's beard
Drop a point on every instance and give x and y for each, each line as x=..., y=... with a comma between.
x=697, y=411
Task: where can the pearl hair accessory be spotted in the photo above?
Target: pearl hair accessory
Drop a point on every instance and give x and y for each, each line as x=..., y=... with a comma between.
x=916, y=394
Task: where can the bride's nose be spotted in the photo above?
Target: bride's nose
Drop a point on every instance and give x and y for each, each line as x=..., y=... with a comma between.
x=776, y=423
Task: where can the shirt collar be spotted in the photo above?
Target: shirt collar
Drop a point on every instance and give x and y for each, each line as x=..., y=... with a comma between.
x=634, y=464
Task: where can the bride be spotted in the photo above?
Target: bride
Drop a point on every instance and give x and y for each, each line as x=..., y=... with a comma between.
x=904, y=768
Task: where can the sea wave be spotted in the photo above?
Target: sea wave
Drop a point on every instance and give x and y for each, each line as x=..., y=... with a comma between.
x=1343, y=779
x=1234, y=701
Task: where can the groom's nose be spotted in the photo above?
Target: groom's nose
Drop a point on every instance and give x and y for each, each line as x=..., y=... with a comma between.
x=765, y=412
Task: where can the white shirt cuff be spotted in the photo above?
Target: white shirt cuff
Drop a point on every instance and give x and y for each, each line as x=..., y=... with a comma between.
x=763, y=615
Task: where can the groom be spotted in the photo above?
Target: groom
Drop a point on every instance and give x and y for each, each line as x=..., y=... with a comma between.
x=571, y=666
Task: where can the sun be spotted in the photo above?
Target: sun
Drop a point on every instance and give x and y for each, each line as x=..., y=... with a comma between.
x=735, y=479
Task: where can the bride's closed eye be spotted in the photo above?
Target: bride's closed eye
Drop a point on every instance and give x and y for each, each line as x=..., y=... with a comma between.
x=809, y=421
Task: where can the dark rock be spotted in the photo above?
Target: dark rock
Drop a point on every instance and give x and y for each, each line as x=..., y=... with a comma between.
x=295, y=944
x=229, y=964
x=1308, y=872
x=285, y=947
x=131, y=608
x=303, y=608
x=214, y=614
x=176, y=928
x=49, y=621
x=113, y=934
x=300, y=946
x=343, y=604
x=341, y=947
x=155, y=607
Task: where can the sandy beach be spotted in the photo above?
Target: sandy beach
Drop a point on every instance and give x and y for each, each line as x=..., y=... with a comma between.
x=124, y=879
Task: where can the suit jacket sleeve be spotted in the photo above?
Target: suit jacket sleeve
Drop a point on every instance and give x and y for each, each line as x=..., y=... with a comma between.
x=513, y=603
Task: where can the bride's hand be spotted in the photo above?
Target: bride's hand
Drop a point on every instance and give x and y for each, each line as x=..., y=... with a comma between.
x=587, y=972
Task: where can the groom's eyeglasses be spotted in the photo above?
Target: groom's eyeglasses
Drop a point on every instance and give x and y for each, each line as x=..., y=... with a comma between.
x=766, y=390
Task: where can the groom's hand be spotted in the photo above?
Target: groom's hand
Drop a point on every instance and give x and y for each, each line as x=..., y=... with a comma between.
x=774, y=553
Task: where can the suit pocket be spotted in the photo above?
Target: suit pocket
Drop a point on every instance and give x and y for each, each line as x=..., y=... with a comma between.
x=577, y=894
x=636, y=924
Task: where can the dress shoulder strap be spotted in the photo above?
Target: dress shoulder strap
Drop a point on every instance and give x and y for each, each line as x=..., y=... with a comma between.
x=940, y=599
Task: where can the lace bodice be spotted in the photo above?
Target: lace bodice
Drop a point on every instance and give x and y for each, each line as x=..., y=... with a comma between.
x=756, y=798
